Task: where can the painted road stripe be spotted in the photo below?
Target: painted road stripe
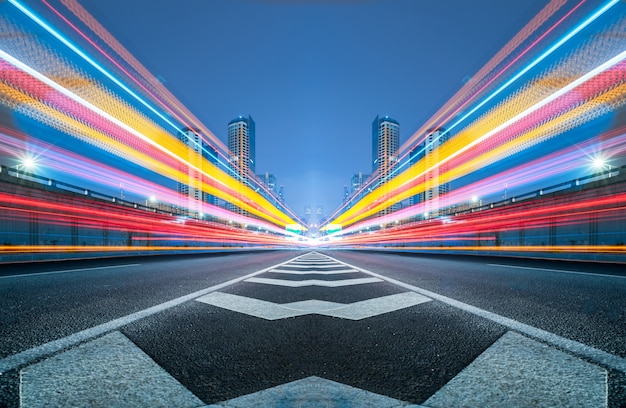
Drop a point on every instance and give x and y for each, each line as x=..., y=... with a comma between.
x=28, y=356
x=313, y=282
x=309, y=266
x=519, y=372
x=252, y=307
x=313, y=264
x=68, y=271
x=313, y=392
x=109, y=371
x=580, y=349
x=313, y=272
x=377, y=306
x=275, y=311
x=558, y=270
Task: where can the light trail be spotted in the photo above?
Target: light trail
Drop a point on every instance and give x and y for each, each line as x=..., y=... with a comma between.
x=548, y=11
x=378, y=200
x=522, y=98
x=269, y=211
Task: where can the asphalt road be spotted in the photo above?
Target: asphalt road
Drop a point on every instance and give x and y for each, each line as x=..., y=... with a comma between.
x=302, y=328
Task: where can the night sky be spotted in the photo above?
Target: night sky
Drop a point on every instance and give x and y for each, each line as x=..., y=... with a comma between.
x=313, y=74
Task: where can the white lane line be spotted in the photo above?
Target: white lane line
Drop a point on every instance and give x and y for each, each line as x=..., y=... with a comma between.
x=28, y=356
x=313, y=392
x=316, y=263
x=310, y=266
x=110, y=371
x=313, y=282
x=521, y=372
x=558, y=270
x=250, y=306
x=579, y=349
x=275, y=311
x=69, y=270
x=313, y=272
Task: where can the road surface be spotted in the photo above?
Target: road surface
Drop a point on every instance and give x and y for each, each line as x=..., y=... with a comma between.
x=313, y=328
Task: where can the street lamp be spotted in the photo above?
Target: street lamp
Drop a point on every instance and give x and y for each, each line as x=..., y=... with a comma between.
x=475, y=201
x=151, y=200
x=27, y=163
x=600, y=163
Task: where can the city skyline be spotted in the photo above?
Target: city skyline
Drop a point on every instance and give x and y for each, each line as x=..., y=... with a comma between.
x=313, y=92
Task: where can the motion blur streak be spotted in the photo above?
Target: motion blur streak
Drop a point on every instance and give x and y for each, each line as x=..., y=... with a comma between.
x=124, y=166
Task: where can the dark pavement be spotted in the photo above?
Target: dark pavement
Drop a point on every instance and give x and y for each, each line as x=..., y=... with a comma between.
x=336, y=328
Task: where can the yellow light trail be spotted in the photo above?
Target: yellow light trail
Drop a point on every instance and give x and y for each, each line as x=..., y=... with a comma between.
x=514, y=109
x=121, y=115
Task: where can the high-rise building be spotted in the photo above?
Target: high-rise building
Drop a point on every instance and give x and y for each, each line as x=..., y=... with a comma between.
x=268, y=180
x=385, y=145
x=241, y=144
x=358, y=181
x=308, y=213
x=198, y=154
x=428, y=151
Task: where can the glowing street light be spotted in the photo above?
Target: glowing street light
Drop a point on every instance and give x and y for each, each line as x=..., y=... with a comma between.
x=151, y=200
x=27, y=163
x=475, y=201
x=600, y=163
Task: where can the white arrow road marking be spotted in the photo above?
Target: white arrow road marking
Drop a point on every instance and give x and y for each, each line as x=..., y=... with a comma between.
x=313, y=392
x=109, y=371
x=291, y=265
x=579, y=349
x=313, y=282
x=275, y=311
x=517, y=371
x=313, y=272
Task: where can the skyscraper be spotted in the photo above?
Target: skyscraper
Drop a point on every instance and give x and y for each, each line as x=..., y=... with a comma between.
x=268, y=180
x=428, y=151
x=241, y=144
x=198, y=153
x=385, y=145
x=358, y=181
x=281, y=194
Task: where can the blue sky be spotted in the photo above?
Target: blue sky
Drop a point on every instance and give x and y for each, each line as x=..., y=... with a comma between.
x=313, y=74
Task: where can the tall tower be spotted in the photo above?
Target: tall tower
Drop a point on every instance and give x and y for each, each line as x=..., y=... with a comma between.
x=358, y=181
x=385, y=145
x=428, y=151
x=190, y=186
x=241, y=144
x=268, y=180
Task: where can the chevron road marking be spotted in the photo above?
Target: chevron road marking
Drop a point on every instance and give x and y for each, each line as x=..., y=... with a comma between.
x=313, y=272
x=313, y=282
x=599, y=356
x=307, y=265
x=106, y=372
x=28, y=356
x=274, y=311
x=515, y=371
